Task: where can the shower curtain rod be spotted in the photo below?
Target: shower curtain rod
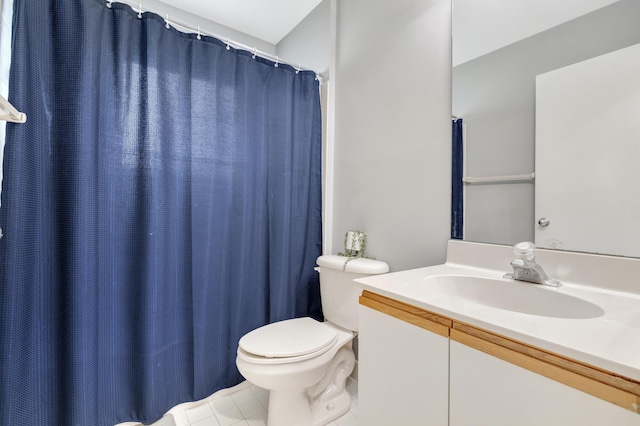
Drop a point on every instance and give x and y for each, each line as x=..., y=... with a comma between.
x=137, y=7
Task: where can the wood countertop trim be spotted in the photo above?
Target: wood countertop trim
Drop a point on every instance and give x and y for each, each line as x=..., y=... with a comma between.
x=595, y=373
x=577, y=381
x=603, y=384
x=407, y=313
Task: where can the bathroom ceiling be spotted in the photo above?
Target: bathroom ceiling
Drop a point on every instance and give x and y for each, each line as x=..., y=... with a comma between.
x=480, y=27
x=268, y=20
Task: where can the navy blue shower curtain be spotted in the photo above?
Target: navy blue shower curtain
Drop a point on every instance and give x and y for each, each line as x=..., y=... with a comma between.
x=457, y=165
x=162, y=199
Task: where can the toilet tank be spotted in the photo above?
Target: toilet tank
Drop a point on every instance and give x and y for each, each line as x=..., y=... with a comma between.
x=337, y=289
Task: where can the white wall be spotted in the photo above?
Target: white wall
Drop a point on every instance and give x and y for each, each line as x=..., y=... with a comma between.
x=392, y=128
x=6, y=13
x=206, y=25
x=308, y=44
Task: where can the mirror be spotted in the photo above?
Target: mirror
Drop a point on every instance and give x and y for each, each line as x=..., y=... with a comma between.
x=498, y=51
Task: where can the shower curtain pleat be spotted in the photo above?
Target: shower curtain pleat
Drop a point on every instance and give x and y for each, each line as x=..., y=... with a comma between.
x=163, y=199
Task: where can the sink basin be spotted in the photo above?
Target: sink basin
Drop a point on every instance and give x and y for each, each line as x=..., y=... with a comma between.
x=516, y=296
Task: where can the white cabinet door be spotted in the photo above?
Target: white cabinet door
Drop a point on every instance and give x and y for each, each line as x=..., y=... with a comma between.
x=487, y=391
x=403, y=373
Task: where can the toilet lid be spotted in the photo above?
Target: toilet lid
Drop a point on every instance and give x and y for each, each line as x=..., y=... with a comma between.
x=289, y=338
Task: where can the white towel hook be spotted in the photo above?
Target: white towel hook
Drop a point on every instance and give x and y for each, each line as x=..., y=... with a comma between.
x=228, y=47
x=277, y=61
x=166, y=22
x=11, y=115
x=199, y=35
x=139, y=11
x=255, y=53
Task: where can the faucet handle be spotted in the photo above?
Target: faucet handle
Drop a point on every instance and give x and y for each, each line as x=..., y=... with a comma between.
x=524, y=250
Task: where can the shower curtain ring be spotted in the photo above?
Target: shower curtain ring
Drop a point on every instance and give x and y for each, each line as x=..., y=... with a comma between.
x=140, y=11
x=277, y=61
x=166, y=22
x=255, y=53
x=228, y=47
x=199, y=35
x=109, y=3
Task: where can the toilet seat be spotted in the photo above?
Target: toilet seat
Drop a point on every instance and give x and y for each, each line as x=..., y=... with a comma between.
x=287, y=341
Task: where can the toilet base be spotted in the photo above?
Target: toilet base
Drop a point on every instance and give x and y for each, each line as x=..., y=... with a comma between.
x=288, y=408
x=320, y=404
x=299, y=412
x=329, y=398
x=325, y=412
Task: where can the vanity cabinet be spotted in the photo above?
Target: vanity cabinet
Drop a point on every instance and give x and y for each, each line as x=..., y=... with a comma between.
x=420, y=368
x=487, y=391
x=403, y=373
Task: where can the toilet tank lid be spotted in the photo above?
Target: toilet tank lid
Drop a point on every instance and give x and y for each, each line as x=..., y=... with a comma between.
x=358, y=265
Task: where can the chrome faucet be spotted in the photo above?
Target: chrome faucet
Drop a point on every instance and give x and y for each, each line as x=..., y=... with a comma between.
x=525, y=267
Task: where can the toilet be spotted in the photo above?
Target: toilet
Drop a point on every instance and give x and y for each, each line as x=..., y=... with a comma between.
x=305, y=363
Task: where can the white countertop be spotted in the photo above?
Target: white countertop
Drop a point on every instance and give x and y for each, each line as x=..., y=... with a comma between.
x=609, y=340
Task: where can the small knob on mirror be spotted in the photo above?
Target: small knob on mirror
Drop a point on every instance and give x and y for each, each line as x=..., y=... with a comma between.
x=544, y=222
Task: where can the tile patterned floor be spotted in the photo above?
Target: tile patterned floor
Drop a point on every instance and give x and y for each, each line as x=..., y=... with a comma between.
x=242, y=405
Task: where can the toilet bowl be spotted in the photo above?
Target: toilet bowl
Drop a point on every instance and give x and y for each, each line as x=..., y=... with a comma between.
x=293, y=398
x=305, y=363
